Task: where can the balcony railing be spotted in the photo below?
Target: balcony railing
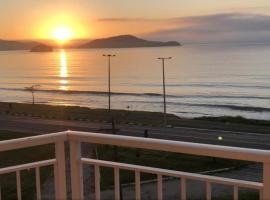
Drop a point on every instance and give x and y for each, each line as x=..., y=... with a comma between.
x=77, y=161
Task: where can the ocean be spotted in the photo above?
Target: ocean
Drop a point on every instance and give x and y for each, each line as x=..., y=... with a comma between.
x=201, y=80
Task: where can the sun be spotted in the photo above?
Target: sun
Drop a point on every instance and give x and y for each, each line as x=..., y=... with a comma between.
x=62, y=28
x=62, y=34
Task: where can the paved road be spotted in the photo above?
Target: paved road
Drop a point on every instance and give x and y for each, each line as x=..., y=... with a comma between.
x=230, y=138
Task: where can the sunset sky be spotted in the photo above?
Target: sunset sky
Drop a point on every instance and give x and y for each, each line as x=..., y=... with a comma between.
x=188, y=21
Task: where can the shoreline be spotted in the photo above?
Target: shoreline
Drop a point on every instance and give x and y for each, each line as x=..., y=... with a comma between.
x=140, y=118
x=183, y=106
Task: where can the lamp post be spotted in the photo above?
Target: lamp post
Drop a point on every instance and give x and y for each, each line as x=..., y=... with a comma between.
x=164, y=89
x=109, y=77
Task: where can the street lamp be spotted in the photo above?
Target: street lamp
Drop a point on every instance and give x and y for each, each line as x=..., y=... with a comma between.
x=164, y=88
x=109, y=77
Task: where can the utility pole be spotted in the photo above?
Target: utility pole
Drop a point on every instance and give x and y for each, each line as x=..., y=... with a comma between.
x=164, y=89
x=109, y=78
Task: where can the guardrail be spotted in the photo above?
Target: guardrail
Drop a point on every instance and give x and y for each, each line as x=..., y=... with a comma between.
x=58, y=139
x=77, y=161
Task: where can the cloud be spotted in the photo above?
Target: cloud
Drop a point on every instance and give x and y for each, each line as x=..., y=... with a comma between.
x=228, y=27
x=224, y=27
x=122, y=19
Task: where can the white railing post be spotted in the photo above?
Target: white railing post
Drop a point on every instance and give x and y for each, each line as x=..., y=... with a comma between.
x=60, y=171
x=116, y=184
x=97, y=182
x=183, y=189
x=76, y=170
x=18, y=181
x=38, y=190
x=159, y=187
x=208, y=191
x=235, y=192
x=266, y=181
x=137, y=185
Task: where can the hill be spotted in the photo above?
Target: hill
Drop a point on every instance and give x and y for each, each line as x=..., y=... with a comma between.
x=126, y=41
x=6, y=45
x=121, y=41
x=42, y=48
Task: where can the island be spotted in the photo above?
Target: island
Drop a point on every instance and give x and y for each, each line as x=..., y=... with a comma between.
x=41, y=48
x=126, y=41
x=7, y=45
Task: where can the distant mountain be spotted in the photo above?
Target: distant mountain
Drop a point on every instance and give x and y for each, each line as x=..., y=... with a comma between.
x=42, y=48
x=6, y=45
x=121, y=41
x=126, y=41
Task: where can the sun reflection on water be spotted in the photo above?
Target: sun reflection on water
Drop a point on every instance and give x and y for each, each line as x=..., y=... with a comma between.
x=63, y=71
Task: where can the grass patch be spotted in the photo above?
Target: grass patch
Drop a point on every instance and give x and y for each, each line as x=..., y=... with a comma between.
x=236, y=120
x=132, y=117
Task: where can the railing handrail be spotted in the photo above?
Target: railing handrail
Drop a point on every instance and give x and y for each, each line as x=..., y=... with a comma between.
x=173, y=173
x=228, y=152
x=32, y=165
x=25, y=142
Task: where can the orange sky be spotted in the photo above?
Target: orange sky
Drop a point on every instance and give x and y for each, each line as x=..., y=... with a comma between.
x=36, y=19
